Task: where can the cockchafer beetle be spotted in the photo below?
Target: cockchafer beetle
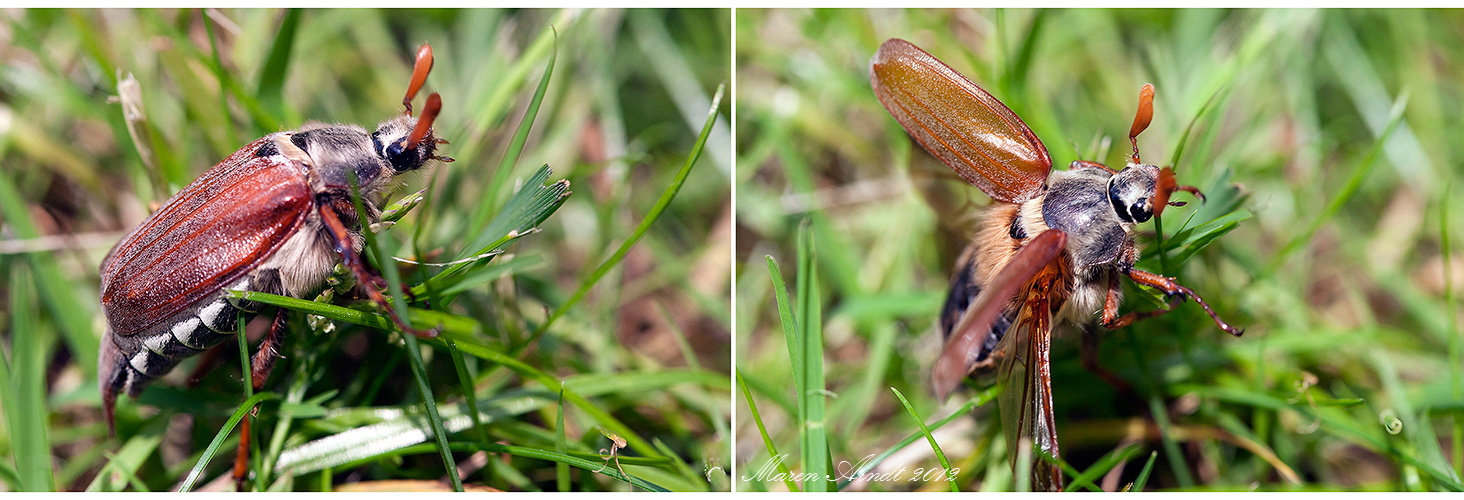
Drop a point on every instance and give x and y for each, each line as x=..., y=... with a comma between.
x=276, y=216
x=1051, y=248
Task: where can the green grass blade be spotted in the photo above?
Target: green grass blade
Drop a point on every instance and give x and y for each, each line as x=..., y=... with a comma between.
x=248, y=382
x=1143, y=479
x=398, y=209
x=1103, y=465
x=561, y=469
x=1211, y=103
x=452, y=324
x=811, y=402
x=520, y=136
x=675, y=75
x=524, y=211
x=218, y=440
x=1354, y=182
x=651, y=216
x=223, y=76
x=773, y=454
x=790, y=324
x=9, y=476
x=384, y=249
x=981, y=399
x=24, y=388
x=129, y=458
x=469, y=389
x=527, y=452
x=404, y=427
x=944, y=463
x=54, y=287
x=272, y=76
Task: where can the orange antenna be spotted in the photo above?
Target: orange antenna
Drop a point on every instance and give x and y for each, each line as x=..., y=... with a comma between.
x=429, y=115
x=419, y=75
x=1142, y=117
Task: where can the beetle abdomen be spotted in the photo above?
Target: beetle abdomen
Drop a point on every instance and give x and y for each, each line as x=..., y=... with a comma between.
x=966, y=285
x=129, y=362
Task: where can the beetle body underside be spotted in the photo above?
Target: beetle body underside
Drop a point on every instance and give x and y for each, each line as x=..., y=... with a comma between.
x=1098, y=244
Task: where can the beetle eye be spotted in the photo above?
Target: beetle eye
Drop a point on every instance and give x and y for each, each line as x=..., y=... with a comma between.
x=1140, y=211
x=400, y=158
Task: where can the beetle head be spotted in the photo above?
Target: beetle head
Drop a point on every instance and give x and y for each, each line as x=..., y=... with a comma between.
x=391, y=143
x=1131, y=191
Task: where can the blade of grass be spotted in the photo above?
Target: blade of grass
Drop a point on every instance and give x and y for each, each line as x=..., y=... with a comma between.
x=218, y=69
x=680, y=465
x=451, y=324
x=561, y=469
x=384, y=249
x=55, y=288
x=790, y=324
x=469, y=389
x=9, y=476
x=773, y=454
x=126, y=461
x=1103, y=465
x=944, y=463
x=294, y=405
x=1333, y=422
x=1152, y=385
x=1354, y=182
x=403, y=427
x=1143, y=479
x=248, y=381
x=719, y=422
x=1210, y=104
x=677, y=77
x=516, y=145
x=528, y=452
x=981, y=399
x=218, y=440
x=24, y=389
x=813, y=427
x=272, y=75
x=640, y=230
x=528, y=208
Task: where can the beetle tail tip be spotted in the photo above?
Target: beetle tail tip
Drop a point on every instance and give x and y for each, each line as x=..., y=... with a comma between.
x=111, y=371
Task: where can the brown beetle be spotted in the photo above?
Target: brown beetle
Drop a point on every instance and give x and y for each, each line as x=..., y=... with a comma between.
x=1052, y=247
x=273, y=217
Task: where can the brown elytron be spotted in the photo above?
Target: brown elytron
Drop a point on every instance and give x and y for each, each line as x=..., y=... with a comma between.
x=150, y=274
x=1051, y=249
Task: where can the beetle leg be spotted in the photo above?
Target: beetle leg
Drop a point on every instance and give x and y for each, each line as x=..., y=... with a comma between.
x=1090, y=361
x=269, y=350
x=1191, y=190
x=241, y=460
x=352, y=260
x=259, y=365
x=1111, y=301
x=1177, y=293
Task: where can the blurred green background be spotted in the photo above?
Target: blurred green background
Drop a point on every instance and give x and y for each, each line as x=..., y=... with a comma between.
x=1337, y=131
x=648, y=349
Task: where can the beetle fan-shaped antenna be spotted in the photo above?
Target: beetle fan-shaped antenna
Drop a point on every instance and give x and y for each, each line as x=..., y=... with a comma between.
x=1142, y=117
x=429, y=115
x=420, y=70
